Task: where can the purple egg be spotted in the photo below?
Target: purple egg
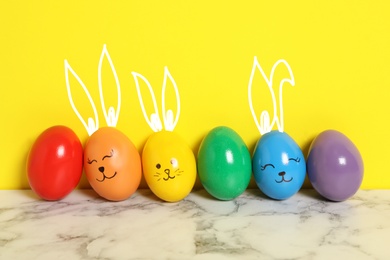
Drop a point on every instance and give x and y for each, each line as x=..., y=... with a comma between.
x=334, y=166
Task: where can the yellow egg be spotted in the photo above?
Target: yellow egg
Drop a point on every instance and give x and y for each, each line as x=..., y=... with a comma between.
x=169, y=166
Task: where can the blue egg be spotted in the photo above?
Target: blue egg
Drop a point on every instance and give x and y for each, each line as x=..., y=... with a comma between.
x=279, y=166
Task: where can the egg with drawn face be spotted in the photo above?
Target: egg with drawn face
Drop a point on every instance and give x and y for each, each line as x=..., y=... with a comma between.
x=112, y=164
x=169, y=166
x=278, y=165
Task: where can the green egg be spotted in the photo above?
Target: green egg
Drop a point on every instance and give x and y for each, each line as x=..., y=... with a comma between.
x=224, y=163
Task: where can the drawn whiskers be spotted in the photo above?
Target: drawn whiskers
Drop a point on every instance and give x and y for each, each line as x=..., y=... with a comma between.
x=178, y=172
x=157, y=175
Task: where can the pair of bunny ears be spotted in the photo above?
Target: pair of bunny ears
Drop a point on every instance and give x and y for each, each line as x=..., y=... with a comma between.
x=111, y=115
x=264, y=125
x=154, y=121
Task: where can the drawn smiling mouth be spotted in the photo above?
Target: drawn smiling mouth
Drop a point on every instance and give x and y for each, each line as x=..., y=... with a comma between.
x=283, y=179
x=169, y=177
x=101, y=169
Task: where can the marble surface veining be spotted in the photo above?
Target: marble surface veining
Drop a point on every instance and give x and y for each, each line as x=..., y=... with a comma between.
x=85, y=226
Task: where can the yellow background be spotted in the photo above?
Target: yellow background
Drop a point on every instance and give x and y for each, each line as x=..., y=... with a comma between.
x=339, y=53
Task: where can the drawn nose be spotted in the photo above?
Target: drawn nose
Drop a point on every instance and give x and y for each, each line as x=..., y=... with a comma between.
x=282, y=173
x=167, y=171
x=101, y=169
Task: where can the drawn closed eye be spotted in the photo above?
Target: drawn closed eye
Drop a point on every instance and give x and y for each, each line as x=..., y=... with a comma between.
x=108, y=156
x=91, y=161
x=263, y=167
x=295, y=159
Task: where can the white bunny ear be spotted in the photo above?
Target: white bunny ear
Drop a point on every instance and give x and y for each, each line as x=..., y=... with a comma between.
x=265, y=125
x=169, y=122
x=92, y=125
x=154, y=122
x=291, y=80
x=111, y=116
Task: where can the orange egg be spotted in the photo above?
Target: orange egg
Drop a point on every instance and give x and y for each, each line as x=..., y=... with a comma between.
x=112, y=164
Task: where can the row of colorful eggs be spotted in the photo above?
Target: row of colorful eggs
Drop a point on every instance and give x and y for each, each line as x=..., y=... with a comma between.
x=114, y=167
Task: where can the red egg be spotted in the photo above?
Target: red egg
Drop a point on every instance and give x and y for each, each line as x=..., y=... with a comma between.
x=55, y=163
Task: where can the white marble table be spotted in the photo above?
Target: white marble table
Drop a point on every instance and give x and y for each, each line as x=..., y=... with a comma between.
x=84, y=226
